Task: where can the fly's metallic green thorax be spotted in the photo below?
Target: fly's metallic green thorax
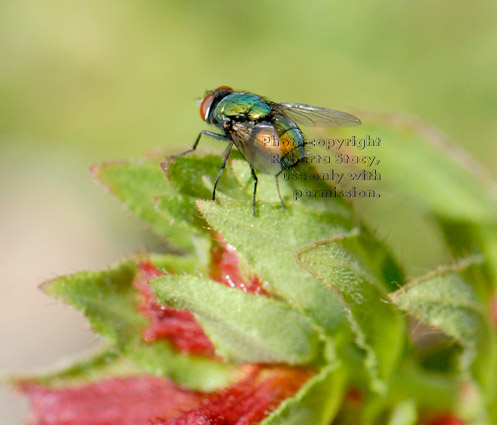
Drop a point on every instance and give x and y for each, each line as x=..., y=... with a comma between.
x=240, y=106
x=266, y=133
x=270, y=142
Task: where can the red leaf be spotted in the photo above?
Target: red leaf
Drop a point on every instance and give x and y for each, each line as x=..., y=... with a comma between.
x=447, y=419
x=493, y=310
x=248, y=401
x=124, y=401
x=179, y=327
x=354, y=396
x=225, y=269
x=152, y=400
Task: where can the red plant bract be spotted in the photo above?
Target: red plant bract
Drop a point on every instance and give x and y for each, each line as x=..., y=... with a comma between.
x=225, y=269
x=447, y=419
x=124, y=401
x=153, y=400
x=248, y=401
x=179, y=327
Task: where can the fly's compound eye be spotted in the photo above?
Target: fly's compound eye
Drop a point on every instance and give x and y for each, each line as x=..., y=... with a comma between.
x=206, y=106
x=224, y=88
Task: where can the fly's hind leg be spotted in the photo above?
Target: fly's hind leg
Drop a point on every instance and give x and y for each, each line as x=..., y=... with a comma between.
x=228, y=151
x=217, y=136
x=278, y=188
x=255, y=190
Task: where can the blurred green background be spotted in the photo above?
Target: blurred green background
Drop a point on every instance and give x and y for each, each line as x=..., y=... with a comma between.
x=86, y=81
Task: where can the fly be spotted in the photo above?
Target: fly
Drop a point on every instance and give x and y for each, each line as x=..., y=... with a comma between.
x=266, y=133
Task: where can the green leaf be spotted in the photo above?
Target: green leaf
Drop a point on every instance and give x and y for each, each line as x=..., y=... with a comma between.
x=316, y=403
x=420, y=163
x=108, y=299
x=444, y=300
x=266, y=187
x=244, y=328
x=194, y=176
x=416, y=161
x=267, y=243
x=196, y=372
x=432, y=390
x=137, y=185
x=299, y=178
x=345, y=264
x=179, y=210
x=404, y=413
x=107, y=363
x=487, y=234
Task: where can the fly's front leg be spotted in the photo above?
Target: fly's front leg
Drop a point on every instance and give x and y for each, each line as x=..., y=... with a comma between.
x=216, y=136
x=228, y=151
x=278, y=188
x=255, y=190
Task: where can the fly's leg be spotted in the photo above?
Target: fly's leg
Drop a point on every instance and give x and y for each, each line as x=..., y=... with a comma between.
x=255, y=190
x=206, y=133
x=278, y=188
x=228, y=151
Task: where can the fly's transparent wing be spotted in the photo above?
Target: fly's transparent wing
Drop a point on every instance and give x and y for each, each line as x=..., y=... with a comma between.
x=313, y=116
x=259, y=144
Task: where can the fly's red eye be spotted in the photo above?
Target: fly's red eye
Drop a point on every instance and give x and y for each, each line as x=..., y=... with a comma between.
x=206, y=105
x=224, y=88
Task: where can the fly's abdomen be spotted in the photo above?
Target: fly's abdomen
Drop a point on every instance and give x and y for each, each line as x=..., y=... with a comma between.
x=291, y=141
x=258, y=144
x=245, y=106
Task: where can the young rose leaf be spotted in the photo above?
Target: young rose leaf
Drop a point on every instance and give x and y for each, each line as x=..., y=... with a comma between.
x=193, y=176
x=108, y=363
x=316, y=403
x=248, y=401
x=420, y=163
x=432, y=390
x=404, y=413
x=106, y=298
x=469, y=239
x=245, y=328
x=266, y=186
x=179, y=210
x=345, y=264
x=487, y=234
x=226, y=269
x=267, y=243
x=137, y=185
x=298, y=179
x=110, y=302
x=120, y=400
x=178, y=327
x=449, y=419
x=147, y=399
x=444, y=300
x=196, y=372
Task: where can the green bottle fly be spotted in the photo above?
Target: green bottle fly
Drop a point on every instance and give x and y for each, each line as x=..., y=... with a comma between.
x=266, y=133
